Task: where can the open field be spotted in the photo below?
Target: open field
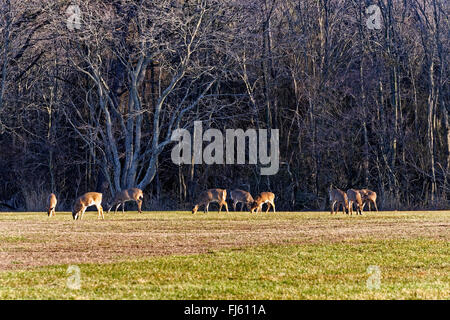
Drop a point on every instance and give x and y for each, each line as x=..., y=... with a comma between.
x=177, y=255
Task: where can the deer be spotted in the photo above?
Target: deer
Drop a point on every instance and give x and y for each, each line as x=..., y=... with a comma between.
x=211, y=195
x=354, y=197
x=368, y=196
x=51, y=204
x=133, y=194
x=87, y=200
x=241, y=196
x=263, y=197
x=340, y=197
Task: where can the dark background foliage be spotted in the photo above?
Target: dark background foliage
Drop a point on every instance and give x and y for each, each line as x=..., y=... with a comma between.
x=92, y=109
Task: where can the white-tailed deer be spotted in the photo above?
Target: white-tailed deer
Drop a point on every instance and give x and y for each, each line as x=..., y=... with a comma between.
x=211, y=195
x=263, y=197
x=338, y=197
x=241, y=196
x=51, y=204
x=354, y=197
x=87, y=200
x=133, y=194
x=368, y=196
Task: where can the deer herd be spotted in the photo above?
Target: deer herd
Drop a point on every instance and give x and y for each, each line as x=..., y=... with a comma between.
x=353, y=196
x=337, y=197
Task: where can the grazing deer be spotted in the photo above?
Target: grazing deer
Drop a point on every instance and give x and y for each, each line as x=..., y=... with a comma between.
x=354, y=197
x=51, y=204
x=87, y=200
x=263, y=197
x=241, y=196
x=339, y=197
x=133, y=194
x=211, y=195
x=368, y=196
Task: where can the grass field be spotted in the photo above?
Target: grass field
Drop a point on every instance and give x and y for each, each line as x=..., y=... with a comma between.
x=177, y=255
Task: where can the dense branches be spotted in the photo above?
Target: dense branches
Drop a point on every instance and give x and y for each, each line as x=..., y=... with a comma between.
x=93, y=109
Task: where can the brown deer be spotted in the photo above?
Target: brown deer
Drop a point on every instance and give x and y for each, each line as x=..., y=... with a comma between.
x=368, y=196
x=263, y=197
x=51, y=204
x=211, y=195
x=354, y=197
x=87, y=200
x=133, y=194
x=241, y=196
x=340, y=197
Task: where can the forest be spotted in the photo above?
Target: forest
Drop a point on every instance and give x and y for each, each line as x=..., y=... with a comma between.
x=92, y=91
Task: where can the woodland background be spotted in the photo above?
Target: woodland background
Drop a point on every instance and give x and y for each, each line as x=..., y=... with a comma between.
x=93, y=109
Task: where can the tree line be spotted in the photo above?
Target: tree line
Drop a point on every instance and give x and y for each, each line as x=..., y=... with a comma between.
x=89, y=98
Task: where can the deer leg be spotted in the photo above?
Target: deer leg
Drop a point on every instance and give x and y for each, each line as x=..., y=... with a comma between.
x=123, y=207
x=350, y=207
x=234, y=205
x=207, y=208
x=100, y=212
x=226, y=206
x=268, y=207
x=82, y=213
x=117, y=207
x=139, y=203
x=273, y=205
x=375, y=204
x=332, y=207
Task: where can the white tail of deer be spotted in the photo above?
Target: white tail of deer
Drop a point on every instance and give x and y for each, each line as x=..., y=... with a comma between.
x=368, y=196
x=354, y=197
x=211, y=195
x=338, y=197
x=133, y=194
x=263, y=197
x=241, y=196
x=51, y=204
x=87, y=200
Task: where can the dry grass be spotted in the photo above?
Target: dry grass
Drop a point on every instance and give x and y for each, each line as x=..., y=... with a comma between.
x=29, y=240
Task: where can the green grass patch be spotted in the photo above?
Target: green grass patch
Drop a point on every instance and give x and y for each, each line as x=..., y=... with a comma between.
x=12, y=239
x=409, y=269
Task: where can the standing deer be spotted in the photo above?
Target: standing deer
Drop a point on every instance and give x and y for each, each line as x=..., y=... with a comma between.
x=211, y=195
x=241, y=196
x=133, y=194
x=368, y=196
x=263, y=197
x=51, y=204
x=354, y=197
x=339, y=197
x=87, y=200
